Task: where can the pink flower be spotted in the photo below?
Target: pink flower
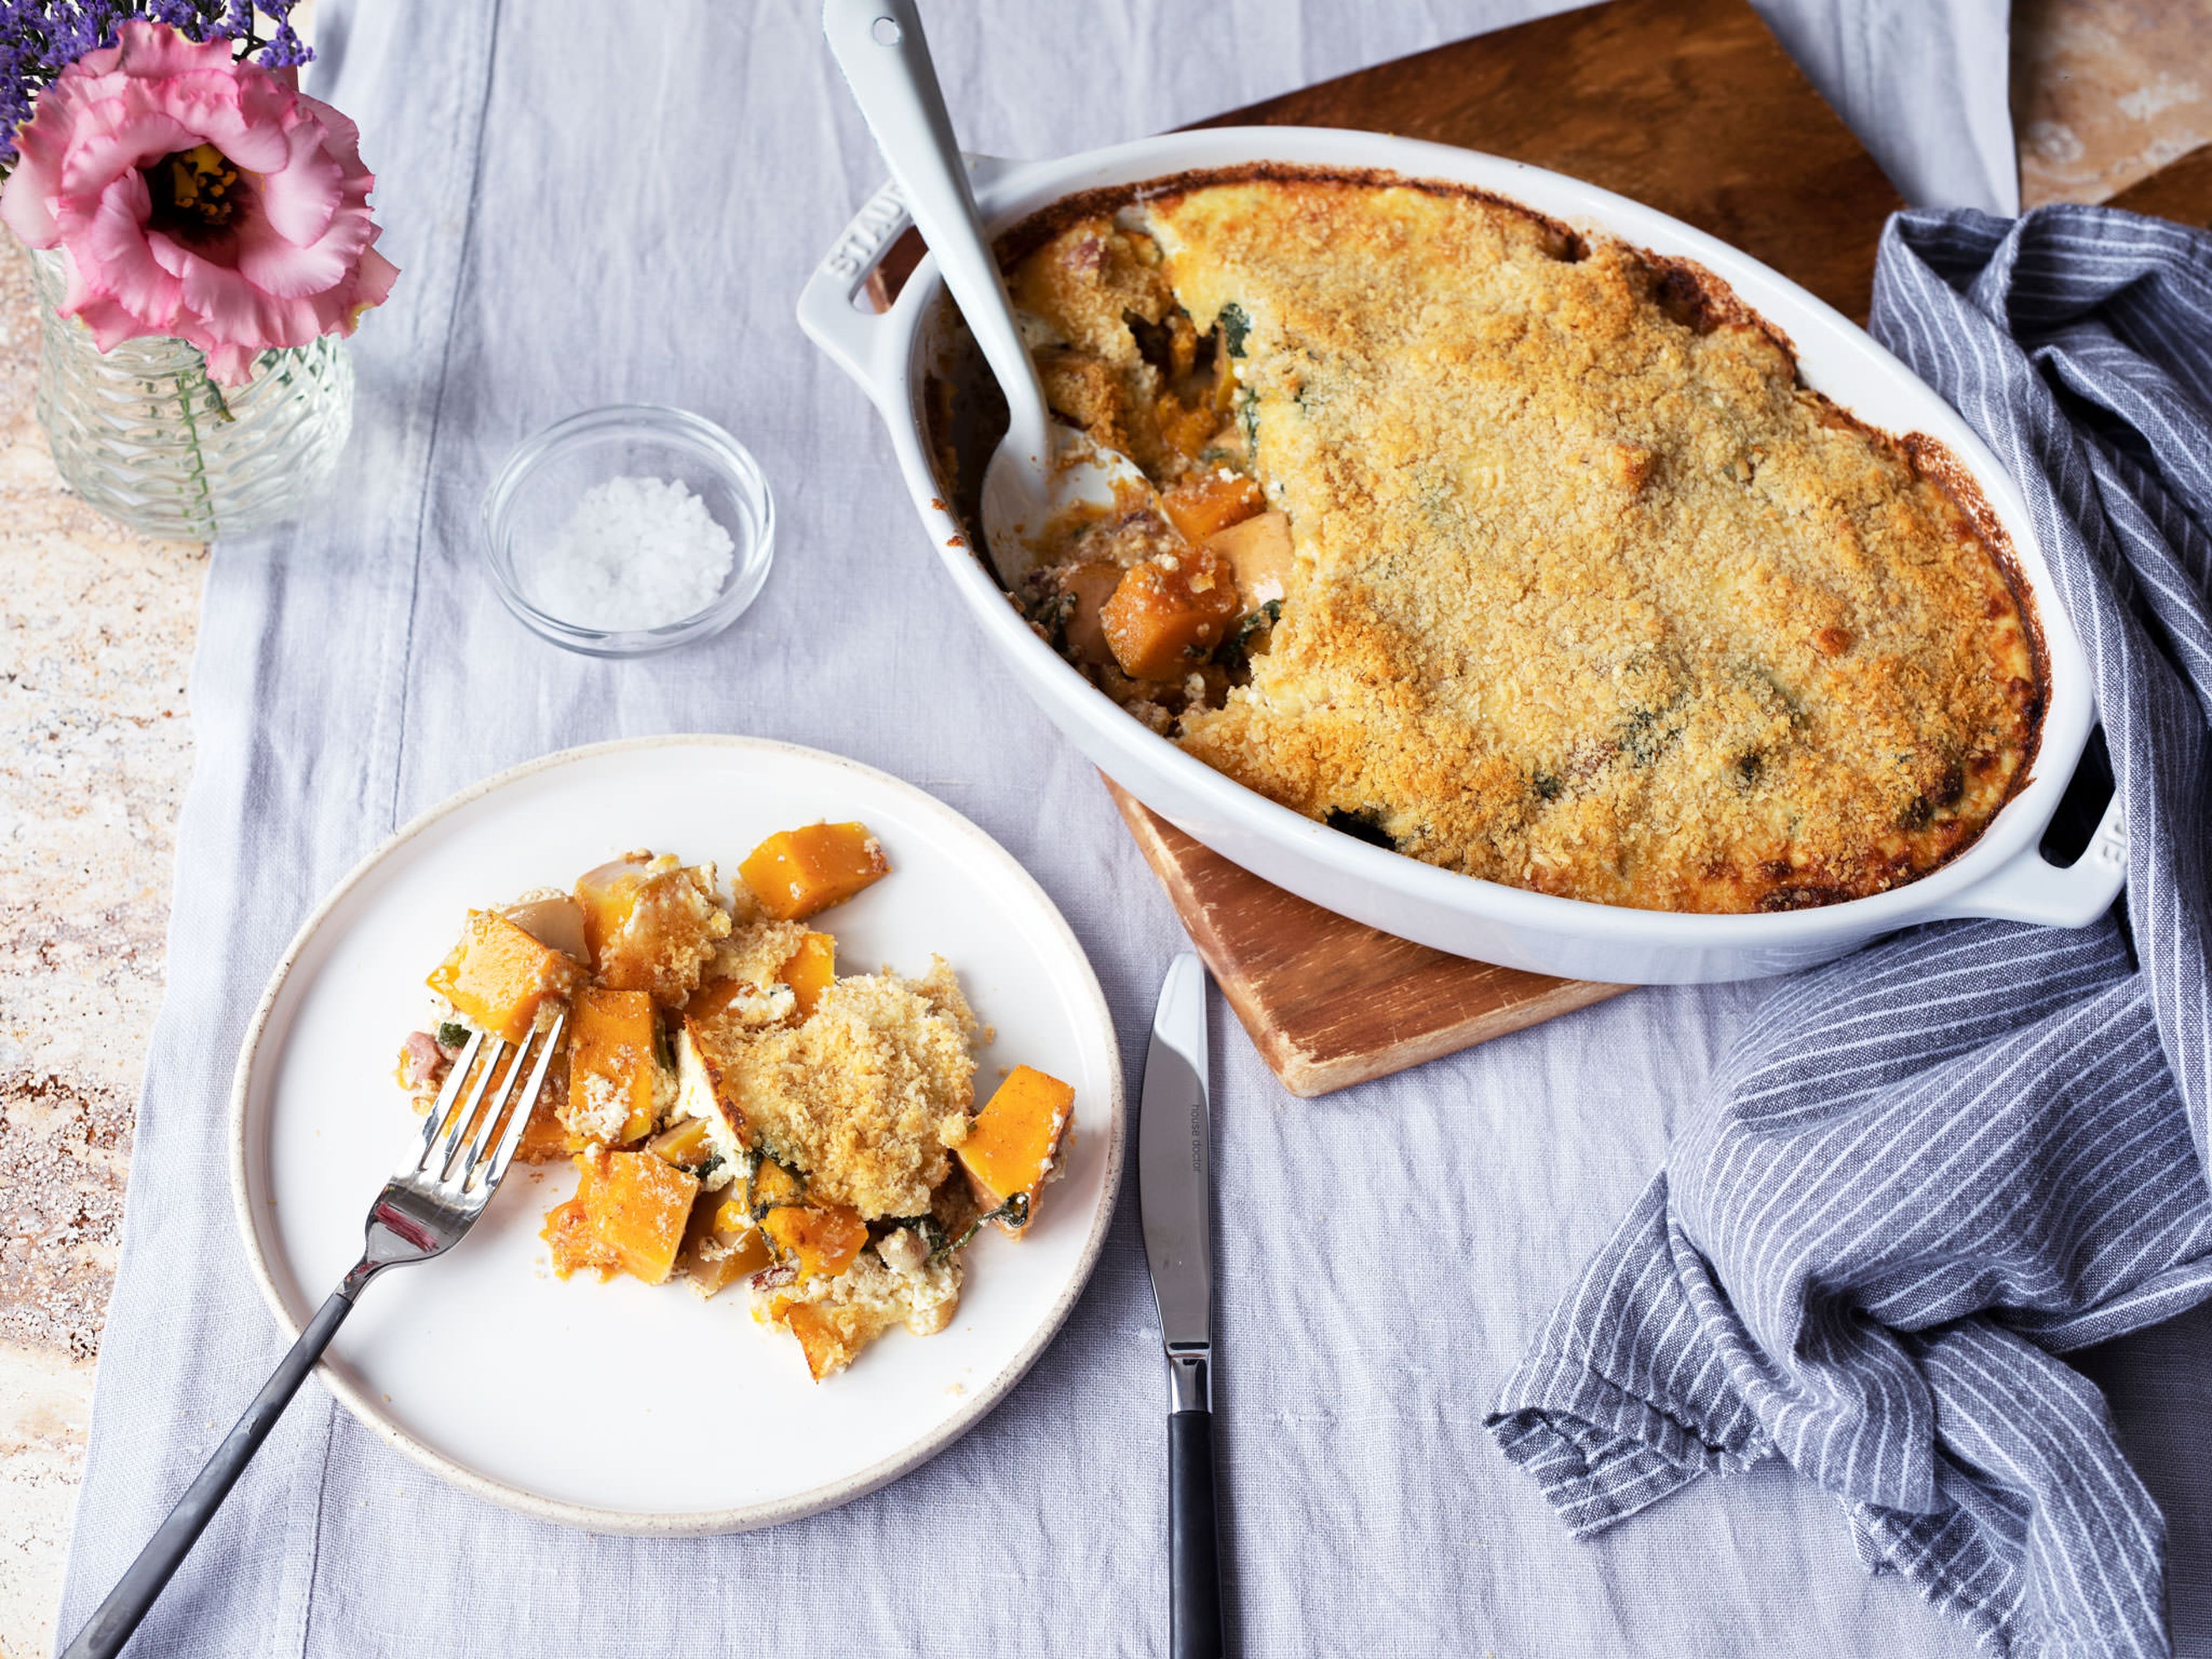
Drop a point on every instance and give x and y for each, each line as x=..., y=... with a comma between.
x=199, y=198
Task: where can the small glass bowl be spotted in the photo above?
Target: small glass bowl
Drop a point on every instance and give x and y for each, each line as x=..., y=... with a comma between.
x=539, y=486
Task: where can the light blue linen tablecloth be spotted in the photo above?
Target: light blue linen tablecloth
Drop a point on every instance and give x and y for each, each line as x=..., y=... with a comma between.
x=601, y=202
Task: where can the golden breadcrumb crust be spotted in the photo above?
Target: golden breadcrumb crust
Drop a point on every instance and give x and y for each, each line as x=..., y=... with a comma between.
x=1591, y=596
x=867, y=1095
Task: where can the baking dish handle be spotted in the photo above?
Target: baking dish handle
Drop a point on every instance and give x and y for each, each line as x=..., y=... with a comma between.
x=829, y=305
x=830, y=308
x=2032, y=889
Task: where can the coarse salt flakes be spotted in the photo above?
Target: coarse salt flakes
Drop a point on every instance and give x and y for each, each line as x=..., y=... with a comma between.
x=636, y=553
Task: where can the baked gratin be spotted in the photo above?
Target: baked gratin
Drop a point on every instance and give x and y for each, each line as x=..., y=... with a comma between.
x=1522, y=553
x=737, y=1109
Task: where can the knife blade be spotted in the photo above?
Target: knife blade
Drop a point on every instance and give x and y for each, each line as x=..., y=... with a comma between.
x=1175, y=1200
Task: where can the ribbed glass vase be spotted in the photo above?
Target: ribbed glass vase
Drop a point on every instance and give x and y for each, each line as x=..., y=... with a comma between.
x=143, y=434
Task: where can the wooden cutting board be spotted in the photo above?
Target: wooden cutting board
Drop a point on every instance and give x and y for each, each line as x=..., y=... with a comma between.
x=1688, y=105
x=2181, y=190
x=1691, y=106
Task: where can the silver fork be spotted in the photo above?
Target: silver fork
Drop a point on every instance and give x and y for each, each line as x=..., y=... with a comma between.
x=422, y=1211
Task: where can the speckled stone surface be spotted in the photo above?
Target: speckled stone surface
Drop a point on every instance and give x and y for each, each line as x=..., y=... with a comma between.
x=96, y=632
x=96, y=629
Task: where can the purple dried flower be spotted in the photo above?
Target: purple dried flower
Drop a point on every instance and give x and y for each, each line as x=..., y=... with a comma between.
x=39, y=39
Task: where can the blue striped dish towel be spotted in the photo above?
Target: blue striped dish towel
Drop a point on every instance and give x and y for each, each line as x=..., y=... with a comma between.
x=1925, y=1171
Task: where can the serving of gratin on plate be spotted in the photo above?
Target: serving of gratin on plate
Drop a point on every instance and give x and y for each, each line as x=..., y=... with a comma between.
x=1515, y=549
x=834, y=1133
x=734, y=1108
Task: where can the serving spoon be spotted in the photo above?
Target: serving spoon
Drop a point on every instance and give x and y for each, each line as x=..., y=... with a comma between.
x=1042, y=472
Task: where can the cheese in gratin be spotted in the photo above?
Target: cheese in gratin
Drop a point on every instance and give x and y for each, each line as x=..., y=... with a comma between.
x=1525, y=553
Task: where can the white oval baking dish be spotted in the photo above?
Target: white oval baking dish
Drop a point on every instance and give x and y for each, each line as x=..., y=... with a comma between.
x=2000, y=874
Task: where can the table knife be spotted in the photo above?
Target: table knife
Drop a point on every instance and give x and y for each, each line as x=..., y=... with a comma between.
x=1175, y=1195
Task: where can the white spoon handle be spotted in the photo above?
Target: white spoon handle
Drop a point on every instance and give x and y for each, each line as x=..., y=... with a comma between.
x=880, y=47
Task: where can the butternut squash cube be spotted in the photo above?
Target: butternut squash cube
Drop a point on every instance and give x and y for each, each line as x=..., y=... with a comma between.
x=1169, y=615
x=772, y=1184
x=1012, y=1143
x=820, y=1340
x=1088, y=587
x=568, y=1230
x=611, y=1066
x=711, y=999
x=498, y=976
x=721, y=1245
x=812, y=971
x=1187, y=429
x=687, y=1143
x=796, y=873
x=1259, y=550
x=568, y=1225
x=651, y=924
x=639, y=1207
x=819, y=1239
x=1206, y=502
x=833, y=1327
x=546, y=1138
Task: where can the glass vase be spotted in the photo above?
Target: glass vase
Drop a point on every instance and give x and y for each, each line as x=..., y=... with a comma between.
x=144, y=435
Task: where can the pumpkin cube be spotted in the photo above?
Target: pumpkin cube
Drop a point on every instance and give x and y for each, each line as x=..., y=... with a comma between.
x=797, y=873
x=1170, y=614
x=1259, y=550
x=1085, y=588
x=835, y=1318
x=755, y=1005
x=721, y=1245
x=826, y=1346
x=710, y=999
x=812, y=971
x=771, y=1184
x=1187, y=428
x=651, y=924
x=611, y=1066
x=568, y=1227
x=546, y=1138
x=639, y=1207
x=818, y=1238
x=687, y=1143
x=568, y=1230
x=1013, y=1142
x=498, y=976
x=1206, y=502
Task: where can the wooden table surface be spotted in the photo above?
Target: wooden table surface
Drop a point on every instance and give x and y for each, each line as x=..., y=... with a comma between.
x=95, y=749
x=1576, y=94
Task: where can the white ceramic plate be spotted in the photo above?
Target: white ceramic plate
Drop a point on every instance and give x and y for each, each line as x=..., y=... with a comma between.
x=482, y=1364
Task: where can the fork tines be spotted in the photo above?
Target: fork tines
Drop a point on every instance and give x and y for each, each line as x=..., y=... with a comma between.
x=481, y=1094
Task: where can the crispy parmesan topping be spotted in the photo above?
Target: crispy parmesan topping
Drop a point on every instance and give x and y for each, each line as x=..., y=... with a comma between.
x=1587, y=593
x=868, y=1094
